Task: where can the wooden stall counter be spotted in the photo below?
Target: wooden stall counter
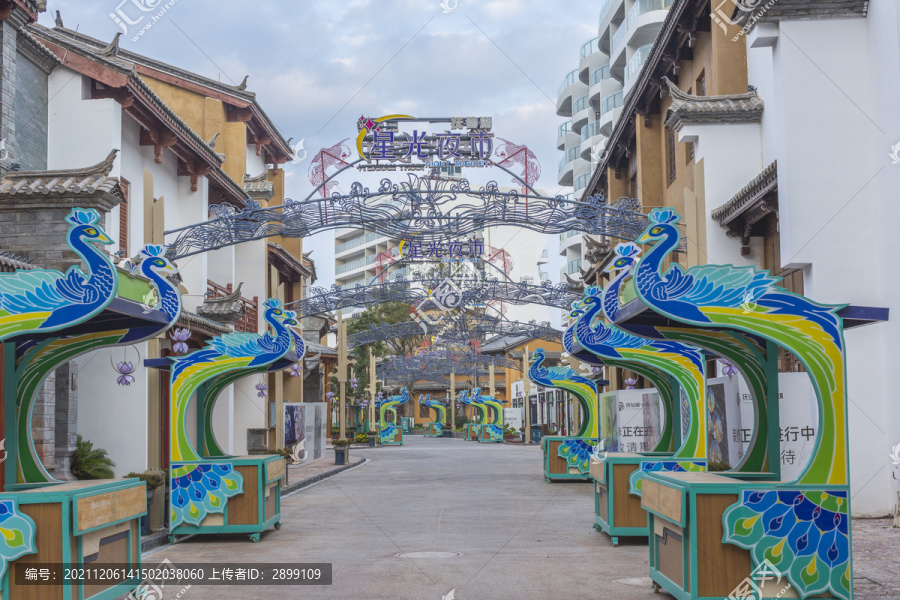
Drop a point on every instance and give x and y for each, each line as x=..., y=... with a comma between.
x=616, y=512
x=434, y=430
x=688, y=557
x=490, y=433
x=471, y=431
x=80, y=524
x=253, y=509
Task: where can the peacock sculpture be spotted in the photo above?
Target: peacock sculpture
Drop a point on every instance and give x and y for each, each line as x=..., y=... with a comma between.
x=440, y=412
x=743, y=352
x=387, y=432
x=578, y=449
x=685, y=364
x=42, y=358
x=201, y=489
x=43, y=300
x=493, y=426
x=802, y=528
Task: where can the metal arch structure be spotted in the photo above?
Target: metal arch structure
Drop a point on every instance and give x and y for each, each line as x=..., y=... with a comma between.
x=471, y=291
x=421, y=206
x=438, y=363
x=458, y=333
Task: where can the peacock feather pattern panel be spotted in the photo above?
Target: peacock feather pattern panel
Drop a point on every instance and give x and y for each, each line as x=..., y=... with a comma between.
x=805, y=534
x=17, y=532
x=198, y=490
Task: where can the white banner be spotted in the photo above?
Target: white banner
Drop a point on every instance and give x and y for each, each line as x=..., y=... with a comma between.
x=304, y=426
x=514, y=417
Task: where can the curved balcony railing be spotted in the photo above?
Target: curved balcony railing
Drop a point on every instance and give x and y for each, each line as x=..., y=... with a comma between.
x=581, y=181
x=618, y=37
x=605, y=7
x=580, y=104
x=565, y=128
x=600, y=74
x=637, y=60
x=613, y=101
x=590, y=130
x=589, y=47
x=644, y=6
x=569, y=79
x=574, y=266
x=360, y=262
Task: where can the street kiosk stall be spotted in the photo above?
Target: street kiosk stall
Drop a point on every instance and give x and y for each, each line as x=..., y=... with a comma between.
x=568, y=457
x=434, y=428
x=48, y=318
x=391, y=434
x=717, y=533
x=213, y=492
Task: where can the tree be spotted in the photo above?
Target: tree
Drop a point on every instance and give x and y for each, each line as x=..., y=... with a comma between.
x=373, y=317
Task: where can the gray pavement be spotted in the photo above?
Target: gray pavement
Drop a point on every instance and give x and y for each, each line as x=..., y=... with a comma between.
x=512, y=535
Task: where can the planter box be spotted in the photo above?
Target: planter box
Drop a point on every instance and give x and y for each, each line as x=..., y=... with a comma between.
x=342, y=456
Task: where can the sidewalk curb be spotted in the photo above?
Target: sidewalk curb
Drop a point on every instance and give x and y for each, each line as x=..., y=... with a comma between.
x=299, y=485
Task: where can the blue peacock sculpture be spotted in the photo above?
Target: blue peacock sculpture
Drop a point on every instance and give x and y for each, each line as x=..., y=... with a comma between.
x=44, y=301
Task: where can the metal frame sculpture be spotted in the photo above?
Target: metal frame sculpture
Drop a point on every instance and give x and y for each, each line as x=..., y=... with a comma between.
x=460, y=331
x=48, y=318
x=200, y=488
x=391, y=434
x=423, y=207
x=434, y=428
x=574, y=450
x=802, y=527
x=470, y=290
x=491, y=429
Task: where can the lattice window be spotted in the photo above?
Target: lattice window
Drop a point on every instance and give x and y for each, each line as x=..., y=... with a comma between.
x=670, y=154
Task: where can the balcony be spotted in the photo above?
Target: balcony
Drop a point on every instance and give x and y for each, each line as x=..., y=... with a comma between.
x=618, y=38
x=565, y=136
x=575, y=267
x=566, y=166
x=612, y=108
x=354, y=264
x=357, y=242
x=582, y=110
x=591, y=58
x=635, y=63
x=565, y=92
x=249, y=321
x=581, y=181
x=591, y=140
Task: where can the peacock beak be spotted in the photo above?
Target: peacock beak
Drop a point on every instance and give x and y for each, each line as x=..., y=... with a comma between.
x=103, y=238
x=644, y=239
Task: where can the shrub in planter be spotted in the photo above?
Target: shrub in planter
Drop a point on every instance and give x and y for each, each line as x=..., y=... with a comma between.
x=341, y=452
x=361, y=438
x=153, y=481
x=89, y=462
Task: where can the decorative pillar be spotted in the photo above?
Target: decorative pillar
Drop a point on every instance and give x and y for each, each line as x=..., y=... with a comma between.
x=373, y=384
x=452, y=400
x=526, y=385
x=342, y=374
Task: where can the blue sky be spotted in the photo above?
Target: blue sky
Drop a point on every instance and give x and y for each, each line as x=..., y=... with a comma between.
x=317, y=65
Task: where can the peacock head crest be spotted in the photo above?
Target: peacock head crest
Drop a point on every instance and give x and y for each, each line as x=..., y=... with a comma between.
x=662, y=224
x=84, y=223
x=289, y=318
x=155, y=260
x=591, y=294
x=538, y=355
x=626, y=255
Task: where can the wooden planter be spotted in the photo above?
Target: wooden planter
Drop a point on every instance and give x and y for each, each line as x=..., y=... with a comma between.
x=556, y=467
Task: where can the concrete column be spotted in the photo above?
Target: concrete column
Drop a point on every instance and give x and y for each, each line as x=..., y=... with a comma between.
x=66, y=408
x=526, y=384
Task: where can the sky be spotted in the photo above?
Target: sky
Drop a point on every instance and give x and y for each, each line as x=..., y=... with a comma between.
x=316, y=66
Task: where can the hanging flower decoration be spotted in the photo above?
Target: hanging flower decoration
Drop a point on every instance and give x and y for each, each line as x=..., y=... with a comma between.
x=180, y=336
x=261, y=390
x=329, y=396
x=125, y=370
x=630, y=382
x=354, y=382
x=728, y=368
x=595, y=370
x=296, y=370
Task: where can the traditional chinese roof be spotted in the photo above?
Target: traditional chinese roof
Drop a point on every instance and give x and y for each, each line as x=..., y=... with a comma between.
x=91, y=181
x=761, y=185
x=224, y=309
x=502, y=342
x=259, y=187
x=10, y=262
x=548, y=354
x=195, y=322
x=236, y=97
x=316, y=348
x=784, y=10
x=116, y=78
x=687, y=109
x=287, y=263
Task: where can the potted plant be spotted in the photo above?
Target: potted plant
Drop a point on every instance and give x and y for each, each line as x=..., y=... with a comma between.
x=341, y=452
x=153, y=481
x=361, y=438
x=522, y=431
x=373, y=436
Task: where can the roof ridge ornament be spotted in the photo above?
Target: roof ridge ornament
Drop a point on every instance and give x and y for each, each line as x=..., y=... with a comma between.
x=243, y=85
x=103, y=168
x=723, y=108
x=59, y=21
x=113, y=48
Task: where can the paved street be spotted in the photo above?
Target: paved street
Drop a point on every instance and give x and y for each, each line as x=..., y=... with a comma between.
x=517, y=536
